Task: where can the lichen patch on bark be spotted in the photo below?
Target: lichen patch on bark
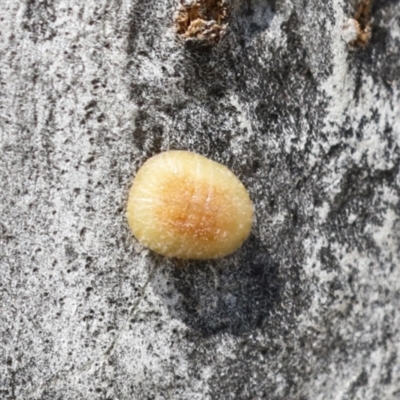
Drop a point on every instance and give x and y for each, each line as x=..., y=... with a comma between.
x=205, y=20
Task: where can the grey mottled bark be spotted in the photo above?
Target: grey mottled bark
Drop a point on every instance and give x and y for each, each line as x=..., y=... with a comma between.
x=307, y=309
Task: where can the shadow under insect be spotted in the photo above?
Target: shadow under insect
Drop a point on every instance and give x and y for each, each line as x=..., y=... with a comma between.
x=234, y=295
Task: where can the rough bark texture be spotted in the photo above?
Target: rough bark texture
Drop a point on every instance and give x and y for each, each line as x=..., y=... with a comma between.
x=309, y=308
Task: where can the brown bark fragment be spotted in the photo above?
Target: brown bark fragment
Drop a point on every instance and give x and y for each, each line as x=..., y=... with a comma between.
x=362, y=19
x=205, y=20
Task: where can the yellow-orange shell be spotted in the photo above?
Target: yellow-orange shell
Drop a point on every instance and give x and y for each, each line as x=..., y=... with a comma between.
x=184, y=205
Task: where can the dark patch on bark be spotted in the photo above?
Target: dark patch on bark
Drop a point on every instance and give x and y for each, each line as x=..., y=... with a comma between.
x=237, y=296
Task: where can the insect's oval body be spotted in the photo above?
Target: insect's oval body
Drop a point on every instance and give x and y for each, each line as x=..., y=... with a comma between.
x=184, y=205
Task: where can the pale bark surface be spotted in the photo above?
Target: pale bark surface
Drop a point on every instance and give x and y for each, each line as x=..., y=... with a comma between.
x=309, y=308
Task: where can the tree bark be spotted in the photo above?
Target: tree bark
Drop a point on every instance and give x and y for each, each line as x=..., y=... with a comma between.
x=298, y=103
